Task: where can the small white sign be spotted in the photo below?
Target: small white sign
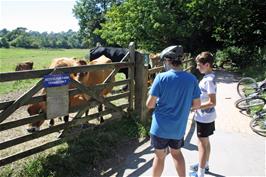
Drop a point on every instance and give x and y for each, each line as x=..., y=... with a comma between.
x=57, y=100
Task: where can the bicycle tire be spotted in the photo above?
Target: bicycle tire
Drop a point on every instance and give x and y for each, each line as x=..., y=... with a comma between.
x=246, y=86
x=247, y=103
x=258, y=125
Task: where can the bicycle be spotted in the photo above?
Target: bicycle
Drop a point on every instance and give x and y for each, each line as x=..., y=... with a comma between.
x=258, y=123
x=247, y=86
x=253, y=102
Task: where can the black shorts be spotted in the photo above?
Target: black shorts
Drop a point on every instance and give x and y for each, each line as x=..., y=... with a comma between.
x=205, y=129
x=162, y=143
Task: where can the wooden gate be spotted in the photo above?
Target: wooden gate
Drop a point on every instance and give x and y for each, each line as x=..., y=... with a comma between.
x=29, y=97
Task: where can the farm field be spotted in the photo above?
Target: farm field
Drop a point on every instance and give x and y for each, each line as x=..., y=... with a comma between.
x=41, y=59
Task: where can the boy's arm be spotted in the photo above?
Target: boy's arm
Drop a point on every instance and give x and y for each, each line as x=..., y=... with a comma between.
x=151, y=102
x=210, y=103
x=195, y=104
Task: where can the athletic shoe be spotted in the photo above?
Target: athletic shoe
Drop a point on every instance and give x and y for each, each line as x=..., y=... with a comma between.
x=195, y=167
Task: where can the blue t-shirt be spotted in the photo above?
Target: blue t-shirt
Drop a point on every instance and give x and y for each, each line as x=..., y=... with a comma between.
x=175, y=91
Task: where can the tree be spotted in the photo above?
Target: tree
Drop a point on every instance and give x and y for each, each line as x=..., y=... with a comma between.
x=4, y=43
x=90, y=14
x=3, y=32
x=152, y=24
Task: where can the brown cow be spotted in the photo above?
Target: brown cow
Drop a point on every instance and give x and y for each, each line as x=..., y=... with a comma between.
x=155, y=60
x=27, y=65
x=41, y=106
x=88, y=79
x=97, y=77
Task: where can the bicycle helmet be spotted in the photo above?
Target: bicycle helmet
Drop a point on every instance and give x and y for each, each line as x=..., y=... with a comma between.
x=174, y=53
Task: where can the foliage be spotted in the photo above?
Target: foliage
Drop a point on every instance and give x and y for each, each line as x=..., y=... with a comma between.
x=90, y=14
x=82, y=154
x=242, y=56
x=151, y=24
x=197, y=25
x=4, y=43
x=232, y=55
x=240, y=23
x=21, y=37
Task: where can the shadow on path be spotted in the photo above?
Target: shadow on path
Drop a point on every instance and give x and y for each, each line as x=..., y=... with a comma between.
x=188, y=138
x=214, y=174
x=132, y=161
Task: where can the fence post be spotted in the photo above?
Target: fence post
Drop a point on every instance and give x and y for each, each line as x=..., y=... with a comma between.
x=141, y=87
x=131, y=75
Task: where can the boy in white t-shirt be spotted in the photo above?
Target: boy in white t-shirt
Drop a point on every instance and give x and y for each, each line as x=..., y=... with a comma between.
x=206, y=114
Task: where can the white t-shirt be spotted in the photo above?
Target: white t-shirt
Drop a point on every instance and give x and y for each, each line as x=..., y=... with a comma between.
x=207, y=86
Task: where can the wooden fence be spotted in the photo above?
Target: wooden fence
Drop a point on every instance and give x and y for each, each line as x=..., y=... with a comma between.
x=142, y=76
x=136, y=95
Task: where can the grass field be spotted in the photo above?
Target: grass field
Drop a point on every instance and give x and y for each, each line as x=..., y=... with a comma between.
x=41, y=58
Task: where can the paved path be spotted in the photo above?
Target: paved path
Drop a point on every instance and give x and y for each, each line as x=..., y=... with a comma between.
x=236, y=154
x=236, y=150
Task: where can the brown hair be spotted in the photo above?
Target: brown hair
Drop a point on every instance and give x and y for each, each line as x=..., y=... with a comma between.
x=205, y=57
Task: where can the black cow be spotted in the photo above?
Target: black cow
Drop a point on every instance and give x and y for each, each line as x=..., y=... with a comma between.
x=114, y=53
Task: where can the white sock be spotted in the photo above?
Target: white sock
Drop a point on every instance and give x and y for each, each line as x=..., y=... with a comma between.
x=201, y=172
x=207, y=164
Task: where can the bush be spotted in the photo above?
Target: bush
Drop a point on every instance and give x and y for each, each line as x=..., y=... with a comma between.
x=251, y=62
x=234, y=55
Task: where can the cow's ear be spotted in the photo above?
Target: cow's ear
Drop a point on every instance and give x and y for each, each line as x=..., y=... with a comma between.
x=82, y=62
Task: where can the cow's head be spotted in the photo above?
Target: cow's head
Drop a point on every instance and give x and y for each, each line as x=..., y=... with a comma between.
x=155, y=60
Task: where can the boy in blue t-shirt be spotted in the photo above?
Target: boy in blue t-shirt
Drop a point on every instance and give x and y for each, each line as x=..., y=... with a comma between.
x=172, y=94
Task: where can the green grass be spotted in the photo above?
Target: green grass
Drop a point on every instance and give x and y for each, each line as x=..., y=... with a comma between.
x=83, y=154
x=41, y=58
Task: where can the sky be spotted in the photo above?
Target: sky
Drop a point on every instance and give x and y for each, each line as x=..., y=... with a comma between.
x=38, y=15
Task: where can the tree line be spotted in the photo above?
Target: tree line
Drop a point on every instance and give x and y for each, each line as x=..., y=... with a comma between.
x=21, y=37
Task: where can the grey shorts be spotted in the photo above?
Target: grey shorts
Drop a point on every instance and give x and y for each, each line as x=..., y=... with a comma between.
x=162, y=143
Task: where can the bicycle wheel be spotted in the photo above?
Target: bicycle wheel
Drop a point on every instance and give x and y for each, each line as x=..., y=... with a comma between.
x=246, y=86
x=254, y=104
x=258, y=125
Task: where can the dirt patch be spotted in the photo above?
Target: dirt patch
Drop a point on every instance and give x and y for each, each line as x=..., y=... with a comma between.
x=16, y=132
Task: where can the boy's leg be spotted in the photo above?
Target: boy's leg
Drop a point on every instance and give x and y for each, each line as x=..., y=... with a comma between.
x=204, y=151
x=179, y=161
x=161, y=146
x=204, y=130
x=158, y=162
